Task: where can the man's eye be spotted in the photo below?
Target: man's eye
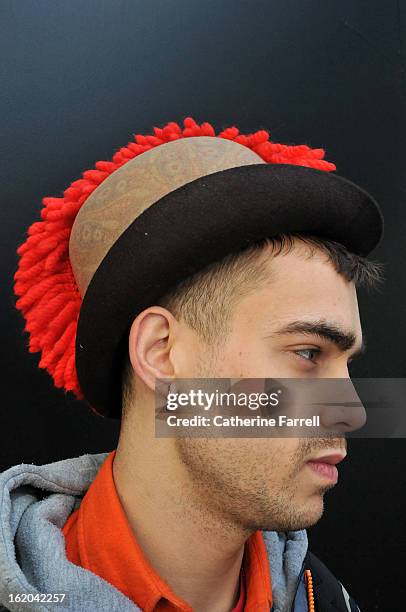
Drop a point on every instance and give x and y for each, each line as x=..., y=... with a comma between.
x=308, y=354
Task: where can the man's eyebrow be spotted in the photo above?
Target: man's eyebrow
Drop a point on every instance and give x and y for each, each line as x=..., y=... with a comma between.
x=344, y=340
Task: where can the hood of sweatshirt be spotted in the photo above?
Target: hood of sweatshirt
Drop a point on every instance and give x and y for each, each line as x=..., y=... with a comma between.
x=36, y=501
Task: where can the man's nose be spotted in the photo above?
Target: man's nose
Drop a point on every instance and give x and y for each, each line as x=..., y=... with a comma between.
x=342, y=409
x=337, y=369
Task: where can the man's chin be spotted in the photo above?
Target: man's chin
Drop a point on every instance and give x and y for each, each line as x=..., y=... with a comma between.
x=310, y=516
x=300, y=515
x=308, y=513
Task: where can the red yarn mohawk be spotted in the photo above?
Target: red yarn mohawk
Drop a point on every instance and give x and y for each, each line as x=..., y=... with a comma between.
x=44, y=282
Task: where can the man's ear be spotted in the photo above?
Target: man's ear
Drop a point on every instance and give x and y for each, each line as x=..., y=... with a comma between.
x=150, y=341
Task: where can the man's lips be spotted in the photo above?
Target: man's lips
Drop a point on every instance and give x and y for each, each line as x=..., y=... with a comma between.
x=331, y=458
x=325, y=466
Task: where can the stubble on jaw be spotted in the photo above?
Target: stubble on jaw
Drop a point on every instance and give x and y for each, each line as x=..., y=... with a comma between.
x=229, y=486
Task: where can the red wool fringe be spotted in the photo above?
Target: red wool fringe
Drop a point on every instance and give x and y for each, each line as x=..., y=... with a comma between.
x=44, y=283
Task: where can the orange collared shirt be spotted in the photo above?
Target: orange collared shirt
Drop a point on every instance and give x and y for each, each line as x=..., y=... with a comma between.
x=99, y=538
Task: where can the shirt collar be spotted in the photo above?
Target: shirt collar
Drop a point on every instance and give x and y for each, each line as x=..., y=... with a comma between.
x=109, y=549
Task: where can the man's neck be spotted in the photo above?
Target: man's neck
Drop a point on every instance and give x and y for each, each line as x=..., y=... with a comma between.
x=196, y=552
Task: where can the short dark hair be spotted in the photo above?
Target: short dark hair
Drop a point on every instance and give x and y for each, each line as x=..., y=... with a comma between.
x=238, y=274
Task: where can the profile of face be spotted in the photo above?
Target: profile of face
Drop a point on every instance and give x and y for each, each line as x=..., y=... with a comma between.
x=303, y=323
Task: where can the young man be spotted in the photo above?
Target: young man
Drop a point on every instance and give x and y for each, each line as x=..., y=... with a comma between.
x=187, y=256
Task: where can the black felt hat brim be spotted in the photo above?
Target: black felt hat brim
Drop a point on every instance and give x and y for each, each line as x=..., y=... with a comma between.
x=194, y=226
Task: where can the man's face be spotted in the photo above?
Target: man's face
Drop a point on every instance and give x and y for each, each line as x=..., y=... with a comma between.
x=281, y=330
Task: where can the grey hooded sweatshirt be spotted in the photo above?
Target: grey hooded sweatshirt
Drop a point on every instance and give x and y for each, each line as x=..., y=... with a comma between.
x=35, y=503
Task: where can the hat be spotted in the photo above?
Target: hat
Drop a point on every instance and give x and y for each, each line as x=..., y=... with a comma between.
x=164, y=208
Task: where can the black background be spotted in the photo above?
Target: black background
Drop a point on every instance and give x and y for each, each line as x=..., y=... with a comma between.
x=80, y=77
